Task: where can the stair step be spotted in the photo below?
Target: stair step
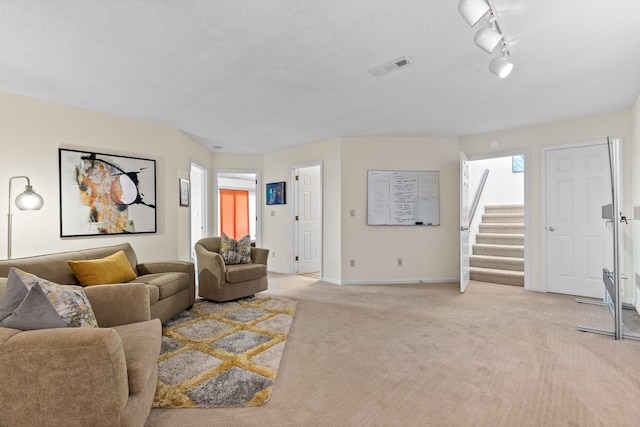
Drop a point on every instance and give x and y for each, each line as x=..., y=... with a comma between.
x=497, y=262
x=502, y=228
x=500, y=239
x=502, y=277
x=507, y=208
x=513, y=251
x=502, y=218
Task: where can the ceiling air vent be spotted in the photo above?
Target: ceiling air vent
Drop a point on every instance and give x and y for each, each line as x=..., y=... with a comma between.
x=391, y=66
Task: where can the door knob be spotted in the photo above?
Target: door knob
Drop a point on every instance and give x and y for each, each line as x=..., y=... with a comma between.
x=551, y=229
x=463, y=228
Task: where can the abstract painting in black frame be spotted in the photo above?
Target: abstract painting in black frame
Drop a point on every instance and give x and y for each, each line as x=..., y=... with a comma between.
x=104, y=194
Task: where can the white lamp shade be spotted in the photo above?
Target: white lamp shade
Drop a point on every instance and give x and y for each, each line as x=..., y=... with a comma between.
x=501, y=67
x=29, y=200
x=473, y=10
x=487, y=39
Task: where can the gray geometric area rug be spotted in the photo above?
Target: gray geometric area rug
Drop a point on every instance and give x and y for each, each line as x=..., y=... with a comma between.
x=223, y=354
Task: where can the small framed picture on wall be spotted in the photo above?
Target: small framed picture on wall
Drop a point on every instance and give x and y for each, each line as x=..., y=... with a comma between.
x=184, y=192
x=276, y=194
x=517, y=163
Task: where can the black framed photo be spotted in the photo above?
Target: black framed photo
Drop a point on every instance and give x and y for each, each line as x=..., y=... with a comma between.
x=104, y=194
x=276, y=193
x=184, y=192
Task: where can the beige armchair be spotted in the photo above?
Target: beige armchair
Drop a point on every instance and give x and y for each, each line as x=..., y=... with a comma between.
x=220, y=282
x=102, y=376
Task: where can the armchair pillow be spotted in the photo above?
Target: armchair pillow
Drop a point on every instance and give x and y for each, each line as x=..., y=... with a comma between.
x=112, y=269
x=30, y=302
x=235, y=251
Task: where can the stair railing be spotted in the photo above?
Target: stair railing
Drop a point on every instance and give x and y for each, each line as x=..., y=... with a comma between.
x=476, y=198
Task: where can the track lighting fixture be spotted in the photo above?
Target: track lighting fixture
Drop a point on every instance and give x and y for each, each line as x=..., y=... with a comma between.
x=501, y=66
x=473, y=10
x=488, y=38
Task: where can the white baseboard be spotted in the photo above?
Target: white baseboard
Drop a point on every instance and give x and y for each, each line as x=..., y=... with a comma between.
x=331, y=280
x=335, y=281
x=397, y=282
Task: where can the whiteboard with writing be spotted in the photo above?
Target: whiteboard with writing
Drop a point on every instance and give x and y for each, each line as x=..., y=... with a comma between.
x=403, y=198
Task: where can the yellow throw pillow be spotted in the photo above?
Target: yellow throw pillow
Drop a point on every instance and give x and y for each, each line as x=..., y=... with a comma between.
x=112, y=269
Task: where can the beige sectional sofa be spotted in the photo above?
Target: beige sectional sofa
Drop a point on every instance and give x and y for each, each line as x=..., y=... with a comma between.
x=87, y=376
x=171, y=284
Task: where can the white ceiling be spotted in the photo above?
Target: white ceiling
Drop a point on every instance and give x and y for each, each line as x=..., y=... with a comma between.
x=256, y=76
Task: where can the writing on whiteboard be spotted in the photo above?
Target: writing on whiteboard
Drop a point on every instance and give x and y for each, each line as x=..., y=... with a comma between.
x=403, y=198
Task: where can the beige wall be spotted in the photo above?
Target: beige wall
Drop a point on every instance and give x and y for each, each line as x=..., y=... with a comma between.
x=533, y=139
x=345, y=162
x=635, y=196
x=236, y=161
x=428, y=253
x=277, y=232
x=31, y=132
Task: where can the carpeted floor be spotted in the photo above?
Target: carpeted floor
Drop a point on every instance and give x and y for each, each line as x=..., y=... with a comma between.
x=426, y=355
x=223, y=354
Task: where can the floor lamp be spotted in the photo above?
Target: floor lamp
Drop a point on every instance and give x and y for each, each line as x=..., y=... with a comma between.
x=28, y=200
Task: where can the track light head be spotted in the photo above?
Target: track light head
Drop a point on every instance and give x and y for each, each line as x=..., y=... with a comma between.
x=501, y=66
x=473, y=10
x=487, y=39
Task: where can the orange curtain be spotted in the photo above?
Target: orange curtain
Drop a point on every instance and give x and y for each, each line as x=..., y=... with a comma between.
x=234, y=213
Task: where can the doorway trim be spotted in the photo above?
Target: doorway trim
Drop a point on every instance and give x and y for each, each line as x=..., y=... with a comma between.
x=200, y=199
x=295, y=208
x=543, y=197
x=527, y=203
x=215, y=204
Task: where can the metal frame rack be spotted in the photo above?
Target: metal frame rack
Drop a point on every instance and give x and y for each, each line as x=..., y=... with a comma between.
x=611, y=279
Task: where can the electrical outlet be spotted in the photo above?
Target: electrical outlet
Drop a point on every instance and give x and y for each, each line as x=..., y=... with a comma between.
x=399, y=262
x=352, y=263
x=273, y=213
x=352, y=212
x=273, y=253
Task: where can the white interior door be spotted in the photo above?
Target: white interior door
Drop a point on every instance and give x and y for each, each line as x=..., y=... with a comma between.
x=465, y=206
x=198, y=199
x=309, y=219
x=578, y=243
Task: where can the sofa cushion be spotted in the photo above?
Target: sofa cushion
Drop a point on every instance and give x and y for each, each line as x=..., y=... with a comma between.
x=141, y=343
x=167, y=283
x=51, y=267
x=30, y=302
x=235, y=251
x=242, y=272
x=111, y=269
x=154, y=294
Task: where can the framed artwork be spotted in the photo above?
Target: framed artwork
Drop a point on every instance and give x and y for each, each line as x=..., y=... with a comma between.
x=276, y=194
x=184, y=192
x=104, y=194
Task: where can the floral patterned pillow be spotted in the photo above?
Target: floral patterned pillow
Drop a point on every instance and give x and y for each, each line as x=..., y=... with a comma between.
x=235, y=251
x=30, y=302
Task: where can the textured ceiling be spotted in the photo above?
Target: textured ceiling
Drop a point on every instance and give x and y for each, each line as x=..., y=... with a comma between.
x=260, y=75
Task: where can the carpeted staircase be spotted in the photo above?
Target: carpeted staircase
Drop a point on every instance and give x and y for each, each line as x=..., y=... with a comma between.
x=498, y=254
